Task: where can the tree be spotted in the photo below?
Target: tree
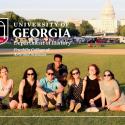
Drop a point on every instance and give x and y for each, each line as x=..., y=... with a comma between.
x=1, y=16
x=121, y=30
x=45, y=23
x=72, y=29
x=71, y=25
x=12, y=18
x=85, y=28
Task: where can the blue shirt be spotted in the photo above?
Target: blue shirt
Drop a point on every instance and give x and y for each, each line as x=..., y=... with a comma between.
x=49, y=86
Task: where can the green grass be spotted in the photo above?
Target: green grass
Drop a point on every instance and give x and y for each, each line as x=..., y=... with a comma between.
x=76, y=46
x=17, y=65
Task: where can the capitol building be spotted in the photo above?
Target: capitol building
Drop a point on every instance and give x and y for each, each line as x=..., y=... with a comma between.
x=107, y=22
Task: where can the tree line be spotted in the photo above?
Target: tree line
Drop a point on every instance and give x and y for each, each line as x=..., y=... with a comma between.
x=85, y=27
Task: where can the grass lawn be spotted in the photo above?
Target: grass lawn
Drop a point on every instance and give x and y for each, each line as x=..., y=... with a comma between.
x=17, y=65
x=82, y=46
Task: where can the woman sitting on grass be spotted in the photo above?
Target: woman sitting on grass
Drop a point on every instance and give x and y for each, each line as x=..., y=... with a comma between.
x=111, y=92
x=27, y=91
x=6, y=86
x=76, y=90
x=92, y=92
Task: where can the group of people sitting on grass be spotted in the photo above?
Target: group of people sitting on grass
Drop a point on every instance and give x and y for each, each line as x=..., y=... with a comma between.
x=92, y=93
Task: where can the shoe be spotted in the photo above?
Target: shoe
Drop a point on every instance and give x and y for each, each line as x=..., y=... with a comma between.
x=58, y=107
x=45, y=108
x=77, y=107
x=36, y=106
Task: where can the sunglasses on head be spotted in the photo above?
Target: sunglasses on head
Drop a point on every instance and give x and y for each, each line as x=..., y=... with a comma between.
x=107, y=75
x=30, y=74
x=50, y=74
x=75, y=73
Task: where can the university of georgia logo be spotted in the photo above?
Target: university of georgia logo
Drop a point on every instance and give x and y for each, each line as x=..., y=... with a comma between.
x=4, y=30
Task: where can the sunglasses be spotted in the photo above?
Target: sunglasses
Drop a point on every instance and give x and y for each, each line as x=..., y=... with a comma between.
x=30, y=74
x=50, y=74
x=75, y=73
x=107, y=75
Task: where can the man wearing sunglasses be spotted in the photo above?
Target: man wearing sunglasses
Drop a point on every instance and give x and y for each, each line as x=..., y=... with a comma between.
x=59, y=68
x=60, y=72
x=50, y=91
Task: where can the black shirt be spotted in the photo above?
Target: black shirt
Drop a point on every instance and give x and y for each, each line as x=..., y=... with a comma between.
x=59, y=73
x=62, y=66
x=91, y=91
x=75, y=92
x=28, y=93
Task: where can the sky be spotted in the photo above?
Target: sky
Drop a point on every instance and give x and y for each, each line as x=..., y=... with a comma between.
x=61, y=9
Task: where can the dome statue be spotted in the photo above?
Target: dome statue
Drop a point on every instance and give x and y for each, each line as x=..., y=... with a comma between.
x=108, y=11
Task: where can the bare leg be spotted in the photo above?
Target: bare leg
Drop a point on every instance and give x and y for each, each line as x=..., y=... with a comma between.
x=115, y=108
x=122, y=108
x=13, y=104
x=77, y=107
x=72, y=105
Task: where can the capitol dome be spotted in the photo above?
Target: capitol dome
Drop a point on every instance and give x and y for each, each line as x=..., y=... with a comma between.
x=108, y=11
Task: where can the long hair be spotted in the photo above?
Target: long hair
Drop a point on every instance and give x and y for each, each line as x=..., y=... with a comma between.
x=3, y=67
x=96, y=68
x=70, y=74
x=25, y=73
